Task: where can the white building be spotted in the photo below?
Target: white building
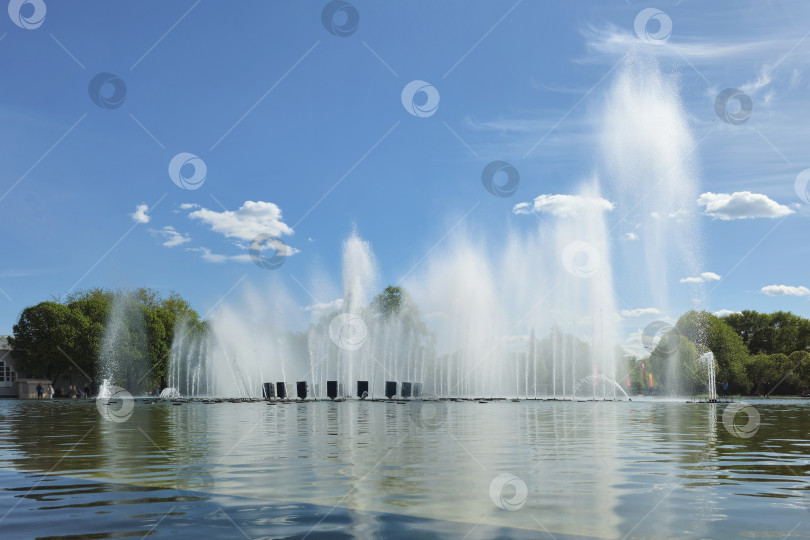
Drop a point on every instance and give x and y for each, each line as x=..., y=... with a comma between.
x=7, y=374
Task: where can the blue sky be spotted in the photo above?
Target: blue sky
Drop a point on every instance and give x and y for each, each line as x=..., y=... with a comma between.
x=310, y=126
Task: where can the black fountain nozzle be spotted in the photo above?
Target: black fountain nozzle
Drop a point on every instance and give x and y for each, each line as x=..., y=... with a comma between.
x=407, y=389
x=390, y=389
x=301, y=389
x=268, y=390
x=362, y=389
x=281, y=390
x=331, y=389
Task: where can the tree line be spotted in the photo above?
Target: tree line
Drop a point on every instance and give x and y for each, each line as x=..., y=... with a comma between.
x=755, y=353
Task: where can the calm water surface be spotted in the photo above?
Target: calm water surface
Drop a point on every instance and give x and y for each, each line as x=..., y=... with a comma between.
x=638, y=469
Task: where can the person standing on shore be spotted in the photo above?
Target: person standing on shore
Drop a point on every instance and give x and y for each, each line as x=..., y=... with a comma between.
x=50, y=391
x=39, y=390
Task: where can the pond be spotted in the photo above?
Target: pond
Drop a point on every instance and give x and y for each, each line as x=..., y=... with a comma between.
x=529, y=469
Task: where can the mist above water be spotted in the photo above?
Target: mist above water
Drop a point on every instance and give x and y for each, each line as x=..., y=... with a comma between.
x=515, y=315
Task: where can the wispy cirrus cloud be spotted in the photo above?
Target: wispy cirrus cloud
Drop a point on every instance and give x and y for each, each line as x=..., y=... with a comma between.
x=612, y=40
x=173, y=238
x=639, y=312
x=209, y=256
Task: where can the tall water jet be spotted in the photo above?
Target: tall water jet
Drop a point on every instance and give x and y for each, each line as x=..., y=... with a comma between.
x=188, y=366
x=124, y=348
x=350, y=332
x=647, y=153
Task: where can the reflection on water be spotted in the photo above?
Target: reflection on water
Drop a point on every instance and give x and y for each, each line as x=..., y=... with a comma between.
x=591, y=469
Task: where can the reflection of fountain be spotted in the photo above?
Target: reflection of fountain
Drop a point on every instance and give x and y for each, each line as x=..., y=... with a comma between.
x=481, y=304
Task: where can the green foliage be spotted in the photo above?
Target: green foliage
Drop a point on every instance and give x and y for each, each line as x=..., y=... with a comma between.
x=780, y=332
x=395, y=306
x=390, y=301
x=55, y=336
x=46, y=336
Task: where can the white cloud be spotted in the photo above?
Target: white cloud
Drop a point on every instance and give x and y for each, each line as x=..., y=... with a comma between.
x=324, y=307
x=639, y=312
x=785, y=290
x=173, y=238
x=140, y=215
x=522, y=208
x=634, y=344
x=250, y=220
x=672, y=215
x=563, y=206
x=741, y=205
x=630, y=236
x=189, y=206
x=724, y=312
x=702, y=278
x=208, y=256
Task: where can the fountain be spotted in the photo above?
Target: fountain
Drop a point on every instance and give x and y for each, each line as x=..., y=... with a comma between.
x=124, y=348
x=708, y=360
x=509, y=315
x=169, y=393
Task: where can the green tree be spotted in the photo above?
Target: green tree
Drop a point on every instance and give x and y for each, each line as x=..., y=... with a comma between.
x=58, y=335
x=47, y=337
x=779, y=332
x=801, y=362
